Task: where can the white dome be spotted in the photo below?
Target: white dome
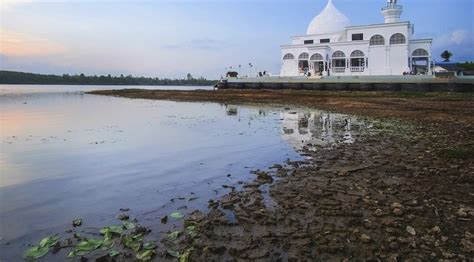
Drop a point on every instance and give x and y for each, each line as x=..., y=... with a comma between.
x=329, y=21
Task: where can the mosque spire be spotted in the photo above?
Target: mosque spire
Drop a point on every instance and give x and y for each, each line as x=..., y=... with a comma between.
x=391, y=12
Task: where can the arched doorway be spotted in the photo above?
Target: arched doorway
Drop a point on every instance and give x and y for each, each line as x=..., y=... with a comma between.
x=317, y=64
x=420, y=62
x=303, y=63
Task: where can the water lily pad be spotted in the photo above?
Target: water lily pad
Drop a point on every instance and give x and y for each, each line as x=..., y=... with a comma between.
x=173, y=235
x=77, y=253
x=107, y=243
x=114, y=253
x=176, y=215
x=48, y=241
x=133, y=242
x=35, y=252
x=184, y=257
x=89, y=245
x=149, y=246
x=173, y=253
x=145, y=255
x=112, y=229
x=77, y=222
x=128, y=225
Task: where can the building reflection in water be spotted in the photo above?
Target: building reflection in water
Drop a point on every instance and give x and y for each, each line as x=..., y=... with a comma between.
x=317, y=128
x=310, y=128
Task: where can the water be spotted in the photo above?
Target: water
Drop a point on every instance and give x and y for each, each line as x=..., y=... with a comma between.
x=67, y=155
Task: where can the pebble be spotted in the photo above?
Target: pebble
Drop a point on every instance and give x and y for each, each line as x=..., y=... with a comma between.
x=365, y=238
x=123, y=217
x=436, y=230
x=462, y=212
x=397, y=211
x=378, y=212
x=411, y=230
x=397, y=205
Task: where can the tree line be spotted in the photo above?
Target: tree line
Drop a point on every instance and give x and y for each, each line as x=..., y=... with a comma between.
x=12, y=77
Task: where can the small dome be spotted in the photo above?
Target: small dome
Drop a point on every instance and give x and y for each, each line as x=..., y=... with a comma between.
x=329, y=21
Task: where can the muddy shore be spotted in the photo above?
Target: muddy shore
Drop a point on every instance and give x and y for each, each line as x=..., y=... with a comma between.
x=401, y=192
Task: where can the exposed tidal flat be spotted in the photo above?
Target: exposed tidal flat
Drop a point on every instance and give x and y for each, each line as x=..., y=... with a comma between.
x=252, y=175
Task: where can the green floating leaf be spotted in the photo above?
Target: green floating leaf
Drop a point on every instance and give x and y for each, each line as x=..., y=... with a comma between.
x=35, y=252
x=145, y=255
x=173, y=235
x=107, y=243
x=185, y=257
x=77, y=253
x=149, y=246
x=176, y=215
x=191, y=228
x=133, y=242
x=89, y=245
x=128, y=225
x=114, y=253
x=173, y=253
x=48, y=241
x=77, y=222
x=112, y=229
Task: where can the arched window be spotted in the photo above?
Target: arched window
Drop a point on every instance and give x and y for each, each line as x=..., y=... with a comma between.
x=397, y=39
x=377, y=40
x=420, y=52
x=317, y=57
x=338, y=62
x=338, y=54
x=303, y=56
x=357, y=61
x=357, y=53
x=288, y=56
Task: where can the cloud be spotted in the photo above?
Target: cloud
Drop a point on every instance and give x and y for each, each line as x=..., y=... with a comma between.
x=459, y=42
x=23, y=45
x=457, y=37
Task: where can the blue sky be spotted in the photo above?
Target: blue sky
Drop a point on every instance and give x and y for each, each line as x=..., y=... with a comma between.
x=169, y=38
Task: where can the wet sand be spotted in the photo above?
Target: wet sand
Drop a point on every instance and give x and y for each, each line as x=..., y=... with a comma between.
x=403, y=191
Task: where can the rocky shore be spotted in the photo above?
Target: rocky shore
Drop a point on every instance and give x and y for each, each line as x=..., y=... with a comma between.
x=401, y=192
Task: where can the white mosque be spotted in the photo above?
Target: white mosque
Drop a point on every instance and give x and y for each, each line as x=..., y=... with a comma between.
x=332, y=47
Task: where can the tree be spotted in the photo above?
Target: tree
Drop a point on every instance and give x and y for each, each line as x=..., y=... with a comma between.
x=189, y=77
x=446, y=55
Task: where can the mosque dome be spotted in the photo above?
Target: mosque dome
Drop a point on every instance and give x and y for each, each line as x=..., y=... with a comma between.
x=329, y=21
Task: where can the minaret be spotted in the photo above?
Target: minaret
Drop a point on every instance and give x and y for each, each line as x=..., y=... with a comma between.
x=392, y=12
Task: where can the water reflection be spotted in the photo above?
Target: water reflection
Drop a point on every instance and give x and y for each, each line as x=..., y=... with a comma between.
x=69, y=155
x=315, y=128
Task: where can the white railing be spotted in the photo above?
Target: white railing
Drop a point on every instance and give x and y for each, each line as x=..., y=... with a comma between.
x=338, y=69
x=357, y=69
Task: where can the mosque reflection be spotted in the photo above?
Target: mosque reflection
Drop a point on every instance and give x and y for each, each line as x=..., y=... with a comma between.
x=317, y=128
x=306, y=128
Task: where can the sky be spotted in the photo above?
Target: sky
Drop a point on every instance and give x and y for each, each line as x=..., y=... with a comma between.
x=170, y=38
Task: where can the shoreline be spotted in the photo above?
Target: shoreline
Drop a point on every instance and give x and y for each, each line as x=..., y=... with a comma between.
x=403, y=192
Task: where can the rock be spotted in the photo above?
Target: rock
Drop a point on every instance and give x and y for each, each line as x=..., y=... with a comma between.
x=397, y=205
x=77, y=222
x=411, y=230
x=378, y=212
x=164, y=219
x=436, y=230
x=462, y=212
x=365, y=238
x=123, y=217
x=397, y=211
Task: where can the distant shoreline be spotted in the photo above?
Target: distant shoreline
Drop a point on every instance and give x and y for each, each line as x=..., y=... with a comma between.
x=22, y=78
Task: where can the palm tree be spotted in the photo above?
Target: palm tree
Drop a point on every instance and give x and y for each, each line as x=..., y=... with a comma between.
x=446, y=55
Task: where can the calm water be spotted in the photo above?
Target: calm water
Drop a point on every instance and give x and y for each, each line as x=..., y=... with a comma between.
x=66, y=155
